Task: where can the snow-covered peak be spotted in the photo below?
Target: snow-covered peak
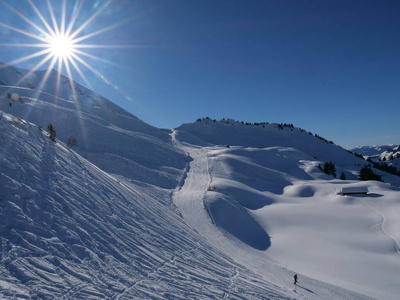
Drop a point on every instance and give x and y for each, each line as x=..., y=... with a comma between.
x=54, y=86
x=374, y=150
x=107, y=135
x=388, y=154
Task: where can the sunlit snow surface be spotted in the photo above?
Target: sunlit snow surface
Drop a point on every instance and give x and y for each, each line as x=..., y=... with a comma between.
x=271, y=180
x=108, y=136
x=135, y=212
x=71, y=231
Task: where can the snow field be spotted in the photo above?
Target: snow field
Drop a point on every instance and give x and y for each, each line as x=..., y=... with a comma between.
x=216, y=210
x=197, y=204
x=71, y=231
x=349, y=241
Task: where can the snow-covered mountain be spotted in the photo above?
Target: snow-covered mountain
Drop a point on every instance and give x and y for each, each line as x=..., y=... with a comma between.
x=381, y=152
x=386, y=157
x=107, y=135
x=71, y=231
x=212, y=209
x=268, y=180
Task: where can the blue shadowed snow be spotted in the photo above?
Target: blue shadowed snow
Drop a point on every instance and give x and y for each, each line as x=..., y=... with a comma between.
x=231, y=217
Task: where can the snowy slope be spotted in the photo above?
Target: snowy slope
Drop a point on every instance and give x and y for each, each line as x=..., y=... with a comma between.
x=137, y=213
x=108, y=136
x=70, y=231
x=298, y=143
x=266, y=193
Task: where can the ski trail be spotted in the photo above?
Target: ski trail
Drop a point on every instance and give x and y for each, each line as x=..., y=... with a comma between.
x=381, y=223
x=232, y=284
x=154, y=272
x=190, y=198
x=191, y=192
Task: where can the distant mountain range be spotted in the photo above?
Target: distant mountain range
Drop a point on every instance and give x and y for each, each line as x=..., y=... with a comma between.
x=379, y=153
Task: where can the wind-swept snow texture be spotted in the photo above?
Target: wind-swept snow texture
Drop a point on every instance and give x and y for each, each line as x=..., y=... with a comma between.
x=265, y=180
x=70, y=231
x=133, y=212
x=108, y=136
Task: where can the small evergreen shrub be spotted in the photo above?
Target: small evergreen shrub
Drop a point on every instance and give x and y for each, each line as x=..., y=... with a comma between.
x=52, y=132
x=366, y=173
x=329, y=168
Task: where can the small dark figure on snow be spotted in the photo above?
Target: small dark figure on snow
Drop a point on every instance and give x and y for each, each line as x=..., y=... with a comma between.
x=295, y=279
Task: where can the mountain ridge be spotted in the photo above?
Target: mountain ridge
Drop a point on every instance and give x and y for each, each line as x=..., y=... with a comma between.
x=379, y=152
x=92, y=120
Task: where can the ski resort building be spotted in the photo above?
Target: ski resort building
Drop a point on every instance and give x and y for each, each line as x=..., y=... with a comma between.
x=354, y=190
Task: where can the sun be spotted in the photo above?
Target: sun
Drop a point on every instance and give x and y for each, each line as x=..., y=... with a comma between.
x=62, y=46
x=62, y=41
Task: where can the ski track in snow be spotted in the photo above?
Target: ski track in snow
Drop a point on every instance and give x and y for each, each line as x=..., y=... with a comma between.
x=115, y=227
x=191, y=201
x=128, y=243
x=192, y=204
x=133, y=246
x=382, y=226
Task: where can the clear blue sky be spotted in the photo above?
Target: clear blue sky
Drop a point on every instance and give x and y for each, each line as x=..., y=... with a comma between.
x=331, y=67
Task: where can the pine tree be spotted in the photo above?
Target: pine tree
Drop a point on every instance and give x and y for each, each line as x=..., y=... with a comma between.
x=52, y=132
x=329, y=168
x=366, y=173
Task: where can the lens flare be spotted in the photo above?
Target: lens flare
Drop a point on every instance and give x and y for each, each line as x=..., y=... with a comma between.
x=15, y=97
x=61, y=41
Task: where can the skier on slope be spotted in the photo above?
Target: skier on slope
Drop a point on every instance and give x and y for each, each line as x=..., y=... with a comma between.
x=295, y=279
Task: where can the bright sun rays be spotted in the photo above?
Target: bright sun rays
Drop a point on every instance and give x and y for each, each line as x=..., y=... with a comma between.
x=59, y=43
x=62, y=46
